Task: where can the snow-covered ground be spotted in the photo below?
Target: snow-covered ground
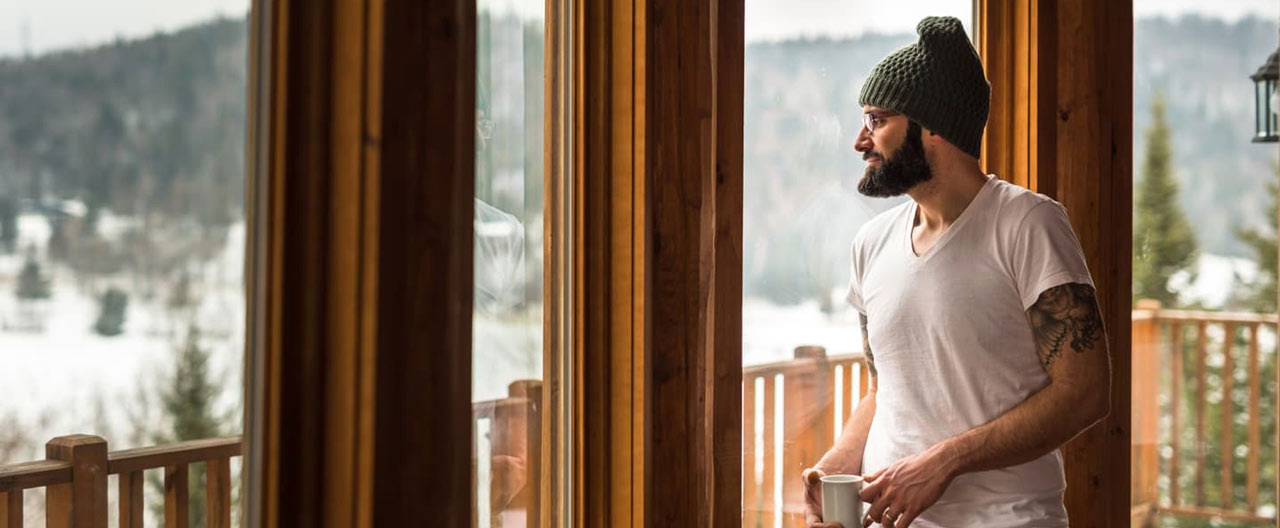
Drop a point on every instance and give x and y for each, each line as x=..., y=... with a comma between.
x=68, y=379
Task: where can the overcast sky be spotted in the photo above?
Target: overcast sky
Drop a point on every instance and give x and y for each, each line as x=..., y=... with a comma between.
x=47, y=25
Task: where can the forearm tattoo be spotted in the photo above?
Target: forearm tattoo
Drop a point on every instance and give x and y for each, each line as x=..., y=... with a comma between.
x=866, y=345
x=1066, y=314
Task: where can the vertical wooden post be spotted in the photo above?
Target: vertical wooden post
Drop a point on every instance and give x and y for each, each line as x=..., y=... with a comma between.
x=130, y=500
x=807, y=424
x=218, y=493
x=1175, y=401
x=750, y=487
x=11, y=509
x=1255, y=431
x=769, y=479
x=1145, y=461
x=1226, y=446
x=175, y=496
x=82, y=503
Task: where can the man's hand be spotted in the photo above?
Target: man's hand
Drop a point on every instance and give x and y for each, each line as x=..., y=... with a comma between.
x=901, y=492
x=813, y=500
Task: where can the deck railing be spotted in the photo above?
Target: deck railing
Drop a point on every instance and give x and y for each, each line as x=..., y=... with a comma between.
x=802, y=402
x=1211, y=356
x=512, y=447
x=792, y=411
x=74, y=475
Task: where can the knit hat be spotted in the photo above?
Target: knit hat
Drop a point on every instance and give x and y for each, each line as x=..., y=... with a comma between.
x=937, y=82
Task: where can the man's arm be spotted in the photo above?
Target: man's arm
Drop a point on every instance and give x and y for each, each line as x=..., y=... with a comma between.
x=845, y=457
x=1072, y=345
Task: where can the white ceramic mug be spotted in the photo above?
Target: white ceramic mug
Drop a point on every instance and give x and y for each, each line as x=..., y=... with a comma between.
x=841, y=501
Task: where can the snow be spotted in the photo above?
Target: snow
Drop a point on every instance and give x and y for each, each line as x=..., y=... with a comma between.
x=68, y=379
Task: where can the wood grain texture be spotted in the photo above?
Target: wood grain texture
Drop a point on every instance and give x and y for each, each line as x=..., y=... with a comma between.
x=11, y=509
x=424, y=266
x=1076, y=115
x=176, y=499
x=130, y=498
x=82, y=502
x=692, y=139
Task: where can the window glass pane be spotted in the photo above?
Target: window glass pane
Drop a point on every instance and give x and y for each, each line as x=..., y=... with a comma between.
x=805, y=64
x=122, y=227
x=1204, y=266
x=508, y=310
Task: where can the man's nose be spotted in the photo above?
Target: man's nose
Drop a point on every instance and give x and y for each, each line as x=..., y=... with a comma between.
x=863, y=142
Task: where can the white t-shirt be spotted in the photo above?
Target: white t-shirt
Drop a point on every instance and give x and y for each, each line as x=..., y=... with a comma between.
x=952, y=346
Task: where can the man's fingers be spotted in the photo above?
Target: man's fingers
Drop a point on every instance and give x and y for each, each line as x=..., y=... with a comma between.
x=871, y=491
x=812, y=475
x=873, y=476
x=877, y=510
x=906, y=520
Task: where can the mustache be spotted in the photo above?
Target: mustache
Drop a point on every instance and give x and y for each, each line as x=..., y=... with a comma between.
x=872, y=154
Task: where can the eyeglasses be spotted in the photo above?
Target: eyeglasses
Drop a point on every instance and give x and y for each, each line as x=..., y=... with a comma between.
x=874, y=120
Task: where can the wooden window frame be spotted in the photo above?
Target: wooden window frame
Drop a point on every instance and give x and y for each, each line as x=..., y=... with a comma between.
x=361, y=273
x=1061, y=124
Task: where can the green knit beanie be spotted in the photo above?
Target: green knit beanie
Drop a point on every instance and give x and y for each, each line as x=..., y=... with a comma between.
x=937, y=82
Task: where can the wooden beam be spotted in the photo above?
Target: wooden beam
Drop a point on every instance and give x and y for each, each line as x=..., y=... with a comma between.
x=423, y=262
x=1072, y=98
x=364, y=283
x=692, y=140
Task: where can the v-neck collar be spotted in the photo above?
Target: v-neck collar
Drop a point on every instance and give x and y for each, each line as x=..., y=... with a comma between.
x=914, y=209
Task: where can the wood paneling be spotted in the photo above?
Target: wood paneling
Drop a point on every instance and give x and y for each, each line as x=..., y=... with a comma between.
x=424, y=265
x=692, y=140
x=1071, y=96
x=364, y=317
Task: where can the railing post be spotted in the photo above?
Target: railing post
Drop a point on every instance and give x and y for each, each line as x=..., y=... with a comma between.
x=83, y=502
x=807, y=432
x=1145, y=461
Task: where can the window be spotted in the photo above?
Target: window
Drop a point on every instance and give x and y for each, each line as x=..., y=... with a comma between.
x=512, y=304
x=1204, y=272
x=122, y=226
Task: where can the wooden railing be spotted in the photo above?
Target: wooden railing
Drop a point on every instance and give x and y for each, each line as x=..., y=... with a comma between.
x=74, y=475
x=514, y=441
x=800, y=397
x=1161, y=345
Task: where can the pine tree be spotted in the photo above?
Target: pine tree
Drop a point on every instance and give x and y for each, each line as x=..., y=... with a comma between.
x=111, y=313
x=8, y=223
x=188, y=399
x=1263, y=242
x=32, y=283
x=1163, y=243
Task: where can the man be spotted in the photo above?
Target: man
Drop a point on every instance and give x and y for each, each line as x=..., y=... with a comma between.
x=983, y=340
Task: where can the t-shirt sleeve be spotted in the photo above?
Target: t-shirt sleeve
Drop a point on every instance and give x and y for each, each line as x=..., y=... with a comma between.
x=1046, y=253
x=854, y=295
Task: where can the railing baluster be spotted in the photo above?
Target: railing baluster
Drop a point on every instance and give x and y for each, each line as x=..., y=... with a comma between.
x=175, y=496
x=131, y=501
x=1228, y=413
x=806, y=419
x=1202, y=408
x=218, y=492
x=1255, y=432
x=1175, y=466
x=750, y=515
x=769, y=483
x=11, y=509
x=846, y=393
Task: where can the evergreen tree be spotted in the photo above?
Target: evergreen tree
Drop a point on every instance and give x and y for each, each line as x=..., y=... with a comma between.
x=111, y=313
x=1163, y=243
x=32, y=283
x=1263, y=242
x=8, y=223
x=188, y=398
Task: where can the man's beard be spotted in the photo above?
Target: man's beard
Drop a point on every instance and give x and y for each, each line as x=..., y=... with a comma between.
x=897, y=175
